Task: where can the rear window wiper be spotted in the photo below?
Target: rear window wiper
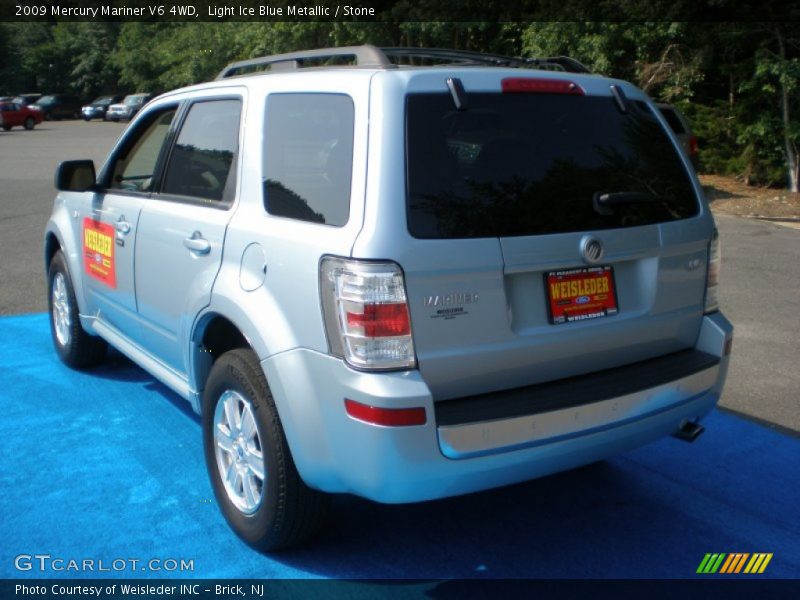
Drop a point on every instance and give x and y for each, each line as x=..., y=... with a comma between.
x=604, y=202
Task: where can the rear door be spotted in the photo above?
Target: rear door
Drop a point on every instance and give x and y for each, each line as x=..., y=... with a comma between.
x=597, y=224
x=182, y=227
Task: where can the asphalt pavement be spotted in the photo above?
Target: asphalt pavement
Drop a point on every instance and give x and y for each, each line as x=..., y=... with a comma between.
x=760, y=287
x=760, y=294
x=28, y=161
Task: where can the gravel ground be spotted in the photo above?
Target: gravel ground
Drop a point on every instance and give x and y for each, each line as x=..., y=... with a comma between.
x=731, y=197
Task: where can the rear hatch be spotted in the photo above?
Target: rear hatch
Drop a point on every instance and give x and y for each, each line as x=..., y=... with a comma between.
x=556, y=232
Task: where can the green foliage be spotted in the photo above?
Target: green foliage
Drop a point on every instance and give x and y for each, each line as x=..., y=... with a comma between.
x=738, y=83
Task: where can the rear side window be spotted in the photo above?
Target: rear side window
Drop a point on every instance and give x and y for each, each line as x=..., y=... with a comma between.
x=308, y=157
x=673, y=120
x=201, y=162
x=530, y=164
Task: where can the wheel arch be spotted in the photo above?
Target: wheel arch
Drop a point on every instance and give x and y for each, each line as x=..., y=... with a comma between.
x=212, y=336
x=51, y=245
x=61, y=235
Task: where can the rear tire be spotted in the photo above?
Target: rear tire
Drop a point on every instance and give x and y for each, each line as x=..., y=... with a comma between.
x=251, y=469
x=74, y=346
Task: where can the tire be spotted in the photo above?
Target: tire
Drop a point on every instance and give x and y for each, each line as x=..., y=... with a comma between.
x=48, y=116
x=30, y=123
x=7, y=127
x=73, y=345
x=280, y=510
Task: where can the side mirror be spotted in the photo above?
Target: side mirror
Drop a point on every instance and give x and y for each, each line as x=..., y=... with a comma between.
x=75, y=176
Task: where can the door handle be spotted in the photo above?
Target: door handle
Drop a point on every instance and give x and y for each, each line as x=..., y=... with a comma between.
x=197, y=243
x=123, y=227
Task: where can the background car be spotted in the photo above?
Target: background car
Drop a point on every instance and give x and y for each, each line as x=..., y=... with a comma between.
x=98, y=107
x=680, y=126
x=127, y=109
x=16, y=115
x=26, y=99
x=59, y=106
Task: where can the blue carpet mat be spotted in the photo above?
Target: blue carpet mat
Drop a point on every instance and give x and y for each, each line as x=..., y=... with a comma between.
x=108, y=465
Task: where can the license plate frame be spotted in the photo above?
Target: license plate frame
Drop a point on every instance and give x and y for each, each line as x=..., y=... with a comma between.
x=593, y=295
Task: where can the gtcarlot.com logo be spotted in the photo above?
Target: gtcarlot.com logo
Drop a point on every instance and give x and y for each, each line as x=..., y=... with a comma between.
x=48, y=563
x=734, y=563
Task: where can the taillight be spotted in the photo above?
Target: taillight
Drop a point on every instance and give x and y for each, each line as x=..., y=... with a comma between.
x=538, y=85
x=692, y=145
x=712, y=278
x=366, y=313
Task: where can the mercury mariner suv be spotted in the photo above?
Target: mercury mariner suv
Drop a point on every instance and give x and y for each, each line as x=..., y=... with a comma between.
x=401, y=281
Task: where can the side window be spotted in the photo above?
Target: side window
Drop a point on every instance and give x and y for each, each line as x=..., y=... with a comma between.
x=136, y=165
x=308, y=157
x=201, y=162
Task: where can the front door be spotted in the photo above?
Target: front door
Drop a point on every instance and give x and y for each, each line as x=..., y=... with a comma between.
x=109, y=224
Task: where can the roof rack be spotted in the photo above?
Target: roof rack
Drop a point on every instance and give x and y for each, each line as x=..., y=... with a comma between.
x=365, y=56
x=466, y=57
x=368, y=56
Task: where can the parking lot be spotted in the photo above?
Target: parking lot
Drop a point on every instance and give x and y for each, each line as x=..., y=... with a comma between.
x=760, y=287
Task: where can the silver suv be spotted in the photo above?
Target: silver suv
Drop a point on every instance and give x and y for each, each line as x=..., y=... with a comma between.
x=401, y=282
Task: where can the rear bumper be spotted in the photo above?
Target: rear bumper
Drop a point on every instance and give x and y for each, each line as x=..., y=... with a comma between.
x=336, y=453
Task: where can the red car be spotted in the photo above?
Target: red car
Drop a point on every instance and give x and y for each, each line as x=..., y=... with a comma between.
x=18, y=115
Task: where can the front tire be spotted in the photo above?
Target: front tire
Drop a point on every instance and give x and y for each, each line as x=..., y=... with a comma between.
x=251, y=469
x=30, y=123
x=74, y=346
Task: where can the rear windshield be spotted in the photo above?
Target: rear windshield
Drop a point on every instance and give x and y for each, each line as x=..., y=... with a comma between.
x=530, y=164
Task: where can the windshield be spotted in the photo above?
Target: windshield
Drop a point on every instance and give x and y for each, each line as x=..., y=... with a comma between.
x=102, y=101
x=529, y=164
x=46, y=100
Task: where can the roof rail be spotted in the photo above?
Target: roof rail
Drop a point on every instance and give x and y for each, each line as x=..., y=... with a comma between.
x=564, y=63
x=379, y=58
x=570, y=65
x=459, y=56
x=365, y=56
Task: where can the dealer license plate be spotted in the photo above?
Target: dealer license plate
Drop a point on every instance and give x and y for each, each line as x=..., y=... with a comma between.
x=580, y=294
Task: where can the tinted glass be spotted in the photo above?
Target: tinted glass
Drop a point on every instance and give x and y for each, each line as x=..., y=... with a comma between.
x=134, y=169
x=308, y=157
x=527, y=164
x=200, y=163
x=673, y=120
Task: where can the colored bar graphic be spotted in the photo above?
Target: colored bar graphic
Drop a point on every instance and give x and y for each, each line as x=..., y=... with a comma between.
x=765, y=563
x=703, y=563
x=727, y=564
x=741, y=562
x=716, y=565
x=734, y=562
x=754, y=563
x=711, y=563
